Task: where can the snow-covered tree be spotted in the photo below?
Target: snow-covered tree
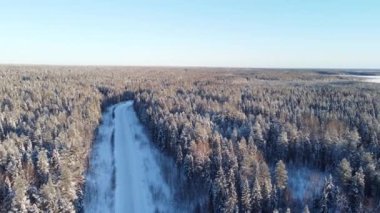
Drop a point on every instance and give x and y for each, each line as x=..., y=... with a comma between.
x=189, y=165
x=256, y=197
x=49, y=196
x=43, y=165
x=245, y=196
x=306, y=209
x=20, y=201
x=327, y=203
x=281, y=175
x=345, y=173
x=357, y=191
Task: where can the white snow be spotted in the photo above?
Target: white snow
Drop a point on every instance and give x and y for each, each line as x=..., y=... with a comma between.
x=139, y=185
x=365, y=78
x=373, y=79
x=305, y=183
x=99, y=188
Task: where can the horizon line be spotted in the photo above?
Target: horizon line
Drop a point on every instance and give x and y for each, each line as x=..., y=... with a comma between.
x=187, y=66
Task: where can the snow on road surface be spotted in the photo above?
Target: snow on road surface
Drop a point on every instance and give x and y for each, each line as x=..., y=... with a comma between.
x=124, y=175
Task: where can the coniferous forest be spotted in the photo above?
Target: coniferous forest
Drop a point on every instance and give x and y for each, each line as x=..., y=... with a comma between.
x=247, y=140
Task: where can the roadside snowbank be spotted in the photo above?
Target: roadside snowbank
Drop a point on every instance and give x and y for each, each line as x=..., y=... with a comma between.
x=99, y=180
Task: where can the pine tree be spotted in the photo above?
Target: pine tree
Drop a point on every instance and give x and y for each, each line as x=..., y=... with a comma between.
x=20, y=202
x=216, y=157
x=218, y=190
x=67, y=185
x=245, y=196
x=356, y=192
x=327, y=202
x=281, y=175
x=231, y=198
x=341, y=201
x=354, y=139
x=56, y=160
x=306, y=209
x=179, y=155
x=282, y=145
x=266, y=186
x=257, y=135
x=43, y=166
x=345, y=173
x=256, y=197
x=49, y=196
x=189, y=166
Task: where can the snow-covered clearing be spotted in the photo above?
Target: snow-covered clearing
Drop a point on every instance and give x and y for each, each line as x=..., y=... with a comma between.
x=365, y=78
x=124, y=175
x=373, y=79
x=304, y=183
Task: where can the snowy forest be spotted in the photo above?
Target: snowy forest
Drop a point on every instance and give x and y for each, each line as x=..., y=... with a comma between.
x=247, y=140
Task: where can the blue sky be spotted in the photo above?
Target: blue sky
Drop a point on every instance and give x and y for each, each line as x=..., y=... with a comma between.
x=266, y=33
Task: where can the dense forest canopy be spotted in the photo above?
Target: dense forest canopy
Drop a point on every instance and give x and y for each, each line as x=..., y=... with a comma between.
x=258, y=140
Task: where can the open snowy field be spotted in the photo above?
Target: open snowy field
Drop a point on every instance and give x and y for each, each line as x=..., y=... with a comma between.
x=365, y=78
x=373, y=79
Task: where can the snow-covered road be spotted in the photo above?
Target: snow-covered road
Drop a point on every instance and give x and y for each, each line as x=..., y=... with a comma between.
x=124, y=175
